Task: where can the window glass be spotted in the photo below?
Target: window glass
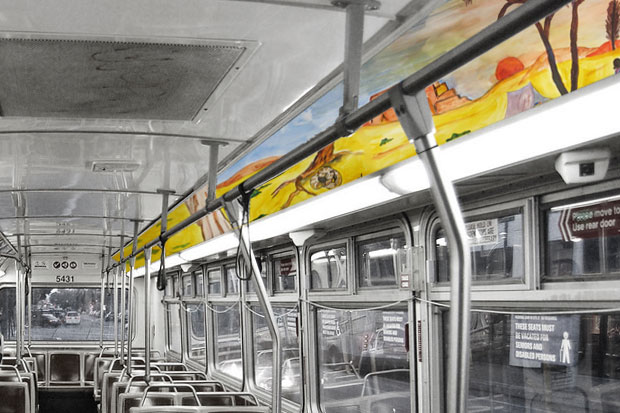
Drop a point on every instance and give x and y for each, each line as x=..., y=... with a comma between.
x=521, y=363
x=583, y=239
x=379, y=259
x=285, y=273
x=232, y=281
x=7, y=313
x=174, y=327
x=188, y=286
x=262, y=265
x=363, y=361
x=328, y=268
x=196, y=337
x=214, y=280
x=169, y=291
x=228, y=341
x=200, y=292
x=73, y=314
x=263, y=352
x=496, y=246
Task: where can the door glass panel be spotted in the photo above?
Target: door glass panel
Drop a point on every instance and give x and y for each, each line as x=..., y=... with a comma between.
x=263, y=351
x=228, y=341
x=174, y=327
x=363, y=361
x=196, y=334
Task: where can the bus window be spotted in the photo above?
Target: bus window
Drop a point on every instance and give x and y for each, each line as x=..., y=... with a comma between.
x=200, y=288
x=188, y=286
x=263, y=353
x=169, y=290
x=7, y=313
x=174, y=327
x=214, y=281
x=571, y=365
x=284, y=273
x=196, y=331
x=378, y=261
x=363, y=361
x=232, y=281
x=583, y=239
x=262, y=265
x=496, y=246
x=73, y=314
x=228, y=341
x=328, y=268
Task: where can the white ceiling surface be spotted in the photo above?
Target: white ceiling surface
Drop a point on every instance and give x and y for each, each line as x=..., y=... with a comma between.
x=294, y=48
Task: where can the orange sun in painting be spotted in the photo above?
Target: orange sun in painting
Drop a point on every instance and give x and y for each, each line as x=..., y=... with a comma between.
x=508, y=67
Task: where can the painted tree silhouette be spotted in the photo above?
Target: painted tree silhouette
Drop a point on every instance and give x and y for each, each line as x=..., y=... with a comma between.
x=544, y=29
x=612, y=24
x=574, y=50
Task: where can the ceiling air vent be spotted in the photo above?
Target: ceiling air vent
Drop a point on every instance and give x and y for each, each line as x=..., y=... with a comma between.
x=114, y=166
x=112, y=79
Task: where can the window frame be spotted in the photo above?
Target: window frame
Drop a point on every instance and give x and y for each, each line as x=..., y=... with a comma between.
x=396, y=230
x=220, y=299
x=174, y=278
x=277, y=299
x=530, y=266
x=349, y=289
x=197, y=299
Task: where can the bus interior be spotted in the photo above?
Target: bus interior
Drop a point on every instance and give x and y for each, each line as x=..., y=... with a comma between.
x=309, y=206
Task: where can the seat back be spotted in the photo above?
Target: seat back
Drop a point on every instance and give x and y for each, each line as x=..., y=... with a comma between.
x=129, y=401
x=177, y=375
x=171, y=366
x=15, y=397
x=101, y=366
x=200, y=409
x=109, y=378
x=217, y=399
x=203, y=386
x=64, y=368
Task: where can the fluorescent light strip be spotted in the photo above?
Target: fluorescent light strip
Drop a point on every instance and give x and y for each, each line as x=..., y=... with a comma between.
x=584, y=116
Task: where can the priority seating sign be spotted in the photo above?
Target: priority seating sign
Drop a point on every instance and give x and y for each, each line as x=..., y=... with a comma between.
x=548, y=339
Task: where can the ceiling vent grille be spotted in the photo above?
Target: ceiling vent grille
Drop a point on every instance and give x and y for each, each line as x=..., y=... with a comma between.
x=111, y=80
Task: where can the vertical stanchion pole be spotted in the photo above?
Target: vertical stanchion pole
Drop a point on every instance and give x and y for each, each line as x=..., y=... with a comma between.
x=19, y=303
x=30, y=298
x=234, y=214
x=132, y=264
x=147, y=314
x=102, y=300
x=354, y=36
x=417, y=122
x=123, y=293
x=115, y=291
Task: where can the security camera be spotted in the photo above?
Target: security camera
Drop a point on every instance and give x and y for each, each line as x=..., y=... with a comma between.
x=582, y=166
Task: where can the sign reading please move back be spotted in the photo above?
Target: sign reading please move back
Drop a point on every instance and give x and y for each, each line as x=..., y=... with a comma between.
x=592, y=221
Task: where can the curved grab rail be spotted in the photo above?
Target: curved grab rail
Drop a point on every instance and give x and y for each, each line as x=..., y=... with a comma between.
x=143, y=376
x=126, y=372
x=14, y=368
x=187, y=386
